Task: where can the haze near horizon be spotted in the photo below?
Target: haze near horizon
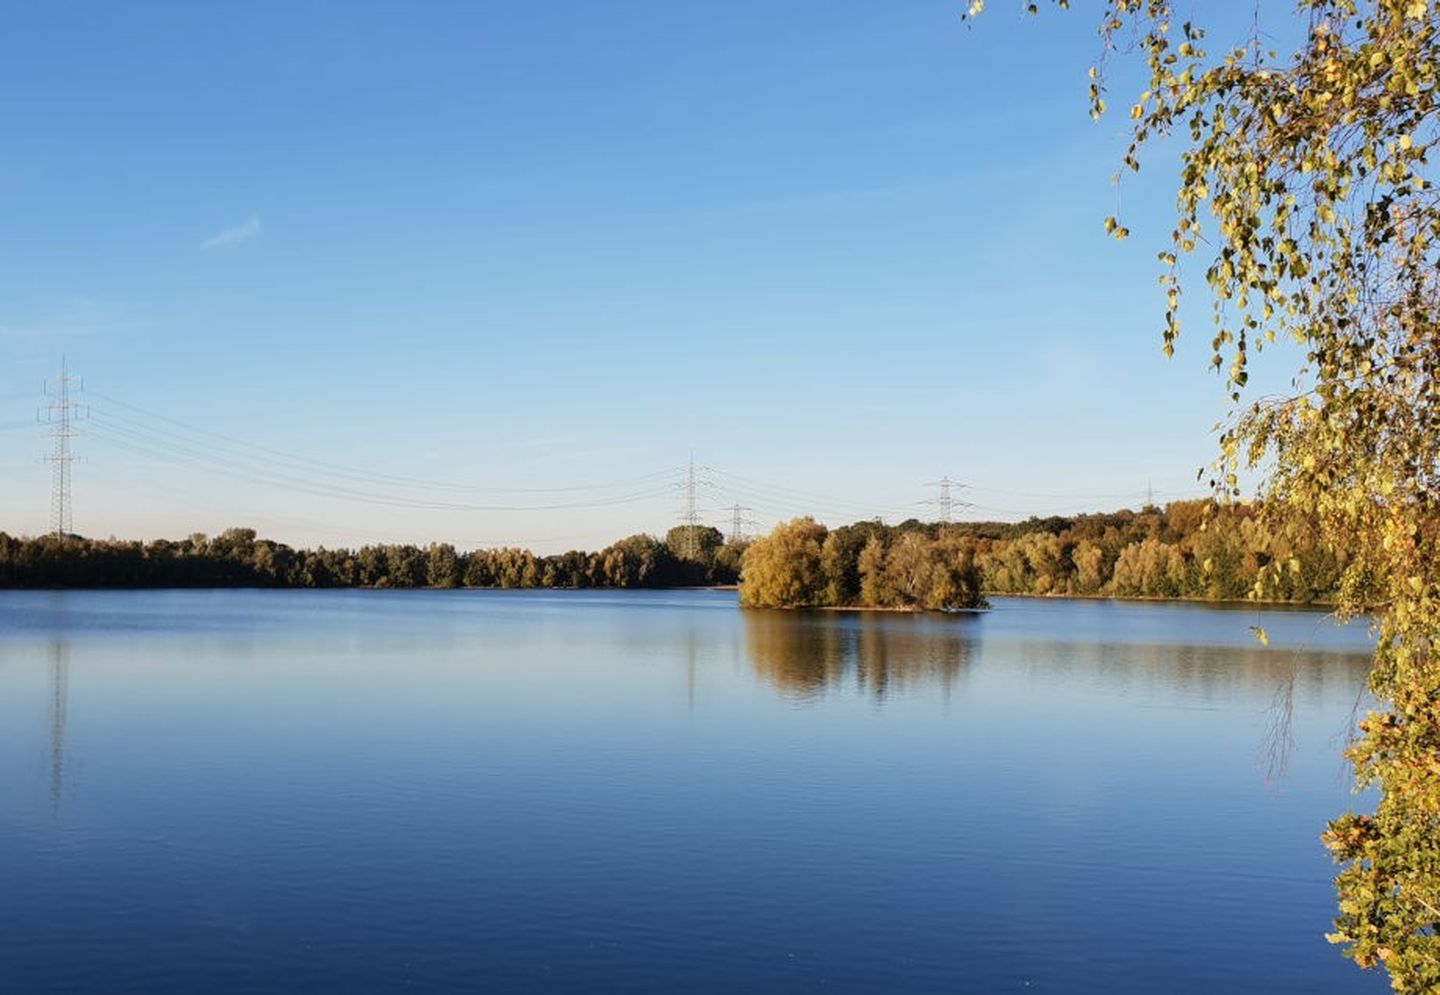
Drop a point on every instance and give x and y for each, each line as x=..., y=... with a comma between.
x=490, y=275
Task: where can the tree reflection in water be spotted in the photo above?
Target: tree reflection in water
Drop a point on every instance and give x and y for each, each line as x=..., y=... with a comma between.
x=805, y=654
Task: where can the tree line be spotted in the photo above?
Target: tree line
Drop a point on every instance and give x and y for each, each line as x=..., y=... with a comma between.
x=1188, y=549
x=1191, y=549
x=238, y=558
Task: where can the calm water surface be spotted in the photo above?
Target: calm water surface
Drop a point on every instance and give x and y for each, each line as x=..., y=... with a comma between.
x=245, y=791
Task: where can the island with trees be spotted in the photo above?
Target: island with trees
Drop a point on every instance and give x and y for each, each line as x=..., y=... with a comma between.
x=802, y=564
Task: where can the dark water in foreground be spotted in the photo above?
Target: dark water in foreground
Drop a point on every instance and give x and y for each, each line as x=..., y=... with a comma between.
x=248, y=791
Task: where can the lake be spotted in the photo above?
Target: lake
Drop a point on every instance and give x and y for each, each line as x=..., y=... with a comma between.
x=230, y=791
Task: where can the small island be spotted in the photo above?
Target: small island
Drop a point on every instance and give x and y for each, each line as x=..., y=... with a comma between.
x=802, y=564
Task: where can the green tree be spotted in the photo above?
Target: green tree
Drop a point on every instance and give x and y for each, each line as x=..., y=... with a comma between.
x=636, y=561
x=841, y=560
x=442, y=568
x=694, y=542
x=728, y=559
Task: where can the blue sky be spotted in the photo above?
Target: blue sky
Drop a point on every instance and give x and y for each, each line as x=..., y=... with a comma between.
x=837, y=249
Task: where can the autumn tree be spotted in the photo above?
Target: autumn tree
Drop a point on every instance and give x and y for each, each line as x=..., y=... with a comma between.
x=783, y=569
x=866, y=565
x=843, y=563
x=1305, y=191
x=955, y=580
x=1089, y=561
x=874, y=580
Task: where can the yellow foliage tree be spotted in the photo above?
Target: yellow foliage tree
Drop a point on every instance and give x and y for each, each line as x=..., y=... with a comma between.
x=785, y=568
x=1305, y=178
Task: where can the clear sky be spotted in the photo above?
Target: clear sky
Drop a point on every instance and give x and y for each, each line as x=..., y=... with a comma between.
x=307, y=255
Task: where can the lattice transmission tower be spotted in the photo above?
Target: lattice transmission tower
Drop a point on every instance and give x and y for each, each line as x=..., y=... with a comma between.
x=946, y=501
x=690, y=516
x=738, y=521
x=690, y=485
x=61, y=413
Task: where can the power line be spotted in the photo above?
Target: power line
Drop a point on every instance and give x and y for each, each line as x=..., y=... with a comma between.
x=249, y=450
x=1091, y=496
x=738, y=521
x=690, y=516
x=157, y=435
x=284, y=477
x=785, y=500
x=779, y=497
x=61, y=415
x=946, y=501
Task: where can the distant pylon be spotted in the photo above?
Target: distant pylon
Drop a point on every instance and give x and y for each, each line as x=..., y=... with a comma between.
x=61, y=414
x=690, y=517
x=947, y=502
x=737, y=522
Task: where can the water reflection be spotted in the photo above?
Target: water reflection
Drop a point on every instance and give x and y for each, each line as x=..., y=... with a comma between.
x=59, y=682
x=1209, y=673
x=804, y=654
x=430, y=788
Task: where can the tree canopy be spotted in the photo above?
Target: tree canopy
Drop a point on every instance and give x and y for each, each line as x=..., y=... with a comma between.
x=803, y=564
x=239, y=558
x=1189, y=549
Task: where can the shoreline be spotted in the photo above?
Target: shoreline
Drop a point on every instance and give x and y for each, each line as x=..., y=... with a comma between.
x=892, y=610
x=1181, y=598
x=1323, y=606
